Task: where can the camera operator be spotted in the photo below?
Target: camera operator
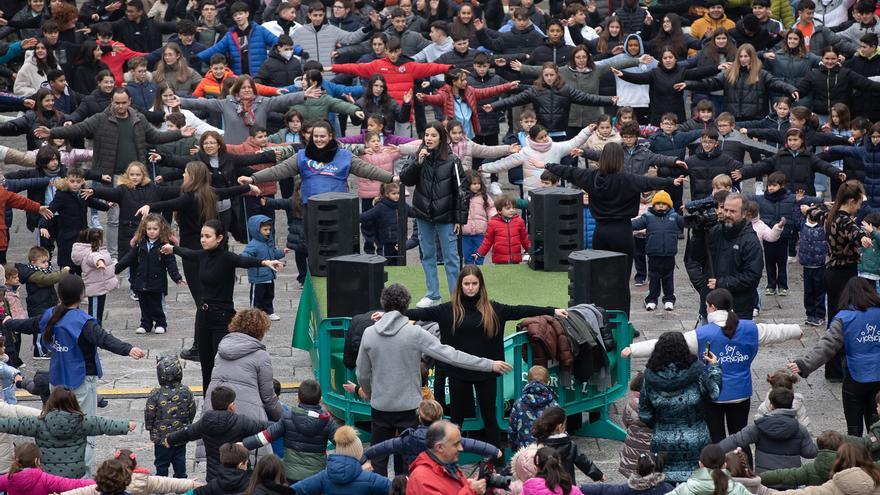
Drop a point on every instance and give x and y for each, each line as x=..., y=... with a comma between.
x=731, y=257
x=436, y=469
x=700, y=216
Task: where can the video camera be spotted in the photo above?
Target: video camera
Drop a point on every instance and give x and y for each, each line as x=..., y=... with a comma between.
x=702, y=216
x=493, y=480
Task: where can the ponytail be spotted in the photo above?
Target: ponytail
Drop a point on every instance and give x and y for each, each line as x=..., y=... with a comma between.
x=722, y=299
x=26, y=456
x=547, y=422
x=550, y=468
x=70, y=292
x=719, y=477
x=712, y=458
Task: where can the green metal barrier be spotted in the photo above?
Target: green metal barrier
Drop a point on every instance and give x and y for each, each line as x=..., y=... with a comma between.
x=324, y=339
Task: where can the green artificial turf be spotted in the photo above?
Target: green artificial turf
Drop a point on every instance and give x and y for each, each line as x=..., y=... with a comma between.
x=508, y=284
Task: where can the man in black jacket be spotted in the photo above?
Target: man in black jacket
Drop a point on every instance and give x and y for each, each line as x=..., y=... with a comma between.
x=137, y=31
x=734, y=260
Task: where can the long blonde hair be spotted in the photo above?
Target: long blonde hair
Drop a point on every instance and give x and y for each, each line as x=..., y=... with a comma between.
x=754, y=65
x=162, y=69
x=200, y=185
x=123, y=179
x=484, y=304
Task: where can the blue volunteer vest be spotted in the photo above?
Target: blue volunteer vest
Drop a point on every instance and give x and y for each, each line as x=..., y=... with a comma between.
x=318, y=177
x=68, y=367
x=734, y=355
x=861, y=342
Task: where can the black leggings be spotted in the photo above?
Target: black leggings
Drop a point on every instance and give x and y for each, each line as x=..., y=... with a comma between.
x=461, y=405
x=616, y=236
x=733, y=415
x=836, y=278
x=859, y=406
x=212, y=323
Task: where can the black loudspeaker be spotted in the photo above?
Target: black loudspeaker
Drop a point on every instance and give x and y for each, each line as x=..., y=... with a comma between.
x=600, y=278
x=556, y=226
x=354, y=283
x=332, y=228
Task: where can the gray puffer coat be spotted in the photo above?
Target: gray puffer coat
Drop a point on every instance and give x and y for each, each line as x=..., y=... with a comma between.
x=243, y=364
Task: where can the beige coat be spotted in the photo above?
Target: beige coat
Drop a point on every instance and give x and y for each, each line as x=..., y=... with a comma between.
x=853, y=481
x=142, y=483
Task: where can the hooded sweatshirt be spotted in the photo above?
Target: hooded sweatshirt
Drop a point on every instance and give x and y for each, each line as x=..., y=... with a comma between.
x=261, y=248
x=780, y=441
x=389, y=361
x=629, y=94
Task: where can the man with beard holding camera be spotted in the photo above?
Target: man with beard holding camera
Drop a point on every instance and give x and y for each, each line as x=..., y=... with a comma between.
x=732, y=257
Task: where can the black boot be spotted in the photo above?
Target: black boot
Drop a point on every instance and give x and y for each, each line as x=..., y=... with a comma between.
x=191, y=354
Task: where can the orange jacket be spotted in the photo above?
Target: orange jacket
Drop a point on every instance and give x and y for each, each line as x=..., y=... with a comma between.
x=209, y=86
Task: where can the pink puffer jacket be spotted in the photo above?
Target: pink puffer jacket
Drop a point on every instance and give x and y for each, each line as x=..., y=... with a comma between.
x=369, y=189
x=479, y=215
x=99, y=281
x=33, y=481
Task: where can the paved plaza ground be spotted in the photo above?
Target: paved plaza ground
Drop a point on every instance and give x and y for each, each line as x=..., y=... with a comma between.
x=128, y=379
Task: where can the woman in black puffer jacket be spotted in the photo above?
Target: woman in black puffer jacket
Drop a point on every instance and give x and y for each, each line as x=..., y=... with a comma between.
x=439, y=209
x=552, y=99
x=830, y=84
x=746, y=85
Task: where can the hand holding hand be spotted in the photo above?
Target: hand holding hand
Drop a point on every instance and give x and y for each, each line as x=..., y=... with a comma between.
x=487, y=107
x=166, y=249
x=679, y=180
x=561, y=312
x=154, y=157
x=46, y=213
x=245, y=180
x=142, y=211
x=794, y=368
x=867, y=242
x=41, y=132
x=679, y=86
x=349, y=387
x=515, y=65
x=617, y=72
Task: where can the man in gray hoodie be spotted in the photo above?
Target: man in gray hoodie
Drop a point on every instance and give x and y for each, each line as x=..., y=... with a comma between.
x=389, y=368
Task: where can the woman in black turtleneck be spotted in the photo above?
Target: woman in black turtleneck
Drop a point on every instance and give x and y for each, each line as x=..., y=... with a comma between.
x=473, y=323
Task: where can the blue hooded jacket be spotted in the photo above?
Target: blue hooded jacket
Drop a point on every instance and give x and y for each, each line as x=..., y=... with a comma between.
x=261, y=248
x=343, y=476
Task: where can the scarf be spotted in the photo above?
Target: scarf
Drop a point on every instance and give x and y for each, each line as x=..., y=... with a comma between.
x=38, y=269
x=643, y=483
x=459, y=149
x=245, y=108
x=450, y=468
x=539, y=147
x=322, y=155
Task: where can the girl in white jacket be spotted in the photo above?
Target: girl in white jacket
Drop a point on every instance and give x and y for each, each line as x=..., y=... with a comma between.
x=540, y=148
x=142, y=482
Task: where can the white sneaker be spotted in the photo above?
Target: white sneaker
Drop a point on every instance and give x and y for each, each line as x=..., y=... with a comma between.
x=132, y=295
x=651, y=306
x=792, y=259
x=159, y=330
x=755, y=313
x=668, y=306
x=495, y=189
x=274, y=317
x=140, y=330
x=427, y=302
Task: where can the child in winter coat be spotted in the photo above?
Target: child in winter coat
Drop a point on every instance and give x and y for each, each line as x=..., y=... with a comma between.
x=98, y=269
x=170, y=407
x=70, y=215
x=647, y=478
x=812, y=254
x=262, y=247
x=522, y=467
x=11, y=295
x=662, y=226
x=306, y=428
x=506, y=234
x=296, y=231
x=343, y=474
x=481, y=209
x=9, y=375
x=40, y=280
x=149, y=267
x=368, y=190
x=232, y=472
x=605, y=133
x=26, y=476
x=764, y=232
x=549, y=430
x=741, y=472
x=869, y=262
x=142, y=483
x=551, y=478
x=812, y=473
x=62, y=430
x=466, y=150
x=638, y=435
x=381, y=221
x=711, y=477
x=779, y=439
x=411, y=442
x=535, y=399
x=785, y=379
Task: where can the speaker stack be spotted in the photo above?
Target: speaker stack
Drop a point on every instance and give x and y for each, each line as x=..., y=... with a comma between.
x=354, y=283
x=556, y=225
x=600, y=278
x=332, y=228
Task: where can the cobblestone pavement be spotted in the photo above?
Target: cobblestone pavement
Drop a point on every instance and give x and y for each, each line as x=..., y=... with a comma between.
x=127, y=376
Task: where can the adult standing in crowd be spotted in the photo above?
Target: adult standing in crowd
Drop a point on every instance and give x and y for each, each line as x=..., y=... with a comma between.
x=845, y=240
x=75, y=337
x=389, y=367
x=672, y=402
x=614, y=199
x=853, y=330
x=473, y=323
x=243, y=364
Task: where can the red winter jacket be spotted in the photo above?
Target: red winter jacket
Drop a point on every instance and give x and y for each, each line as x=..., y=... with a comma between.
x=10, y=199
x=444, y=100
x=507, y=240
x=249, y=147
x=399, y=78
x=427, y=477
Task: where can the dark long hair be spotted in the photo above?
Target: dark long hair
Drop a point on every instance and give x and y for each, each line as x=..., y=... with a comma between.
x=851, y=455
x=547, y=422
x=711, y=50
x=551, y=469
x=674, y=39
x=40, y=110
x=859, y=294
x=70, y=291
x=722, y=299
x=850, y=190
x=443, y=147
x=269, y=470
x=611, y=159
x=46, y=154
x=712, y=457
x=61, y=399
x=44, y=66
x=605, y=35
x=671, y=348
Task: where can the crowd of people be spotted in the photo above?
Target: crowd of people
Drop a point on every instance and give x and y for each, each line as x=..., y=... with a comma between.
x=190, y=122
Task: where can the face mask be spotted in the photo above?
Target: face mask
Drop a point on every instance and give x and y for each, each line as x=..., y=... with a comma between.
x=286, y=54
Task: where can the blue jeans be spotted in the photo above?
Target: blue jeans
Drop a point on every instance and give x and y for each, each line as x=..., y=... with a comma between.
x=469, y=246
x=428, y=232
x=170, y=456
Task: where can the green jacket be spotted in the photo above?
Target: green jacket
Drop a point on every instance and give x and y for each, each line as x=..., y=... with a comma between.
x=870, y=263
x=315, y=109
x=872, y=440
x=781, y=11
x=813, y=473
x=61, y=437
